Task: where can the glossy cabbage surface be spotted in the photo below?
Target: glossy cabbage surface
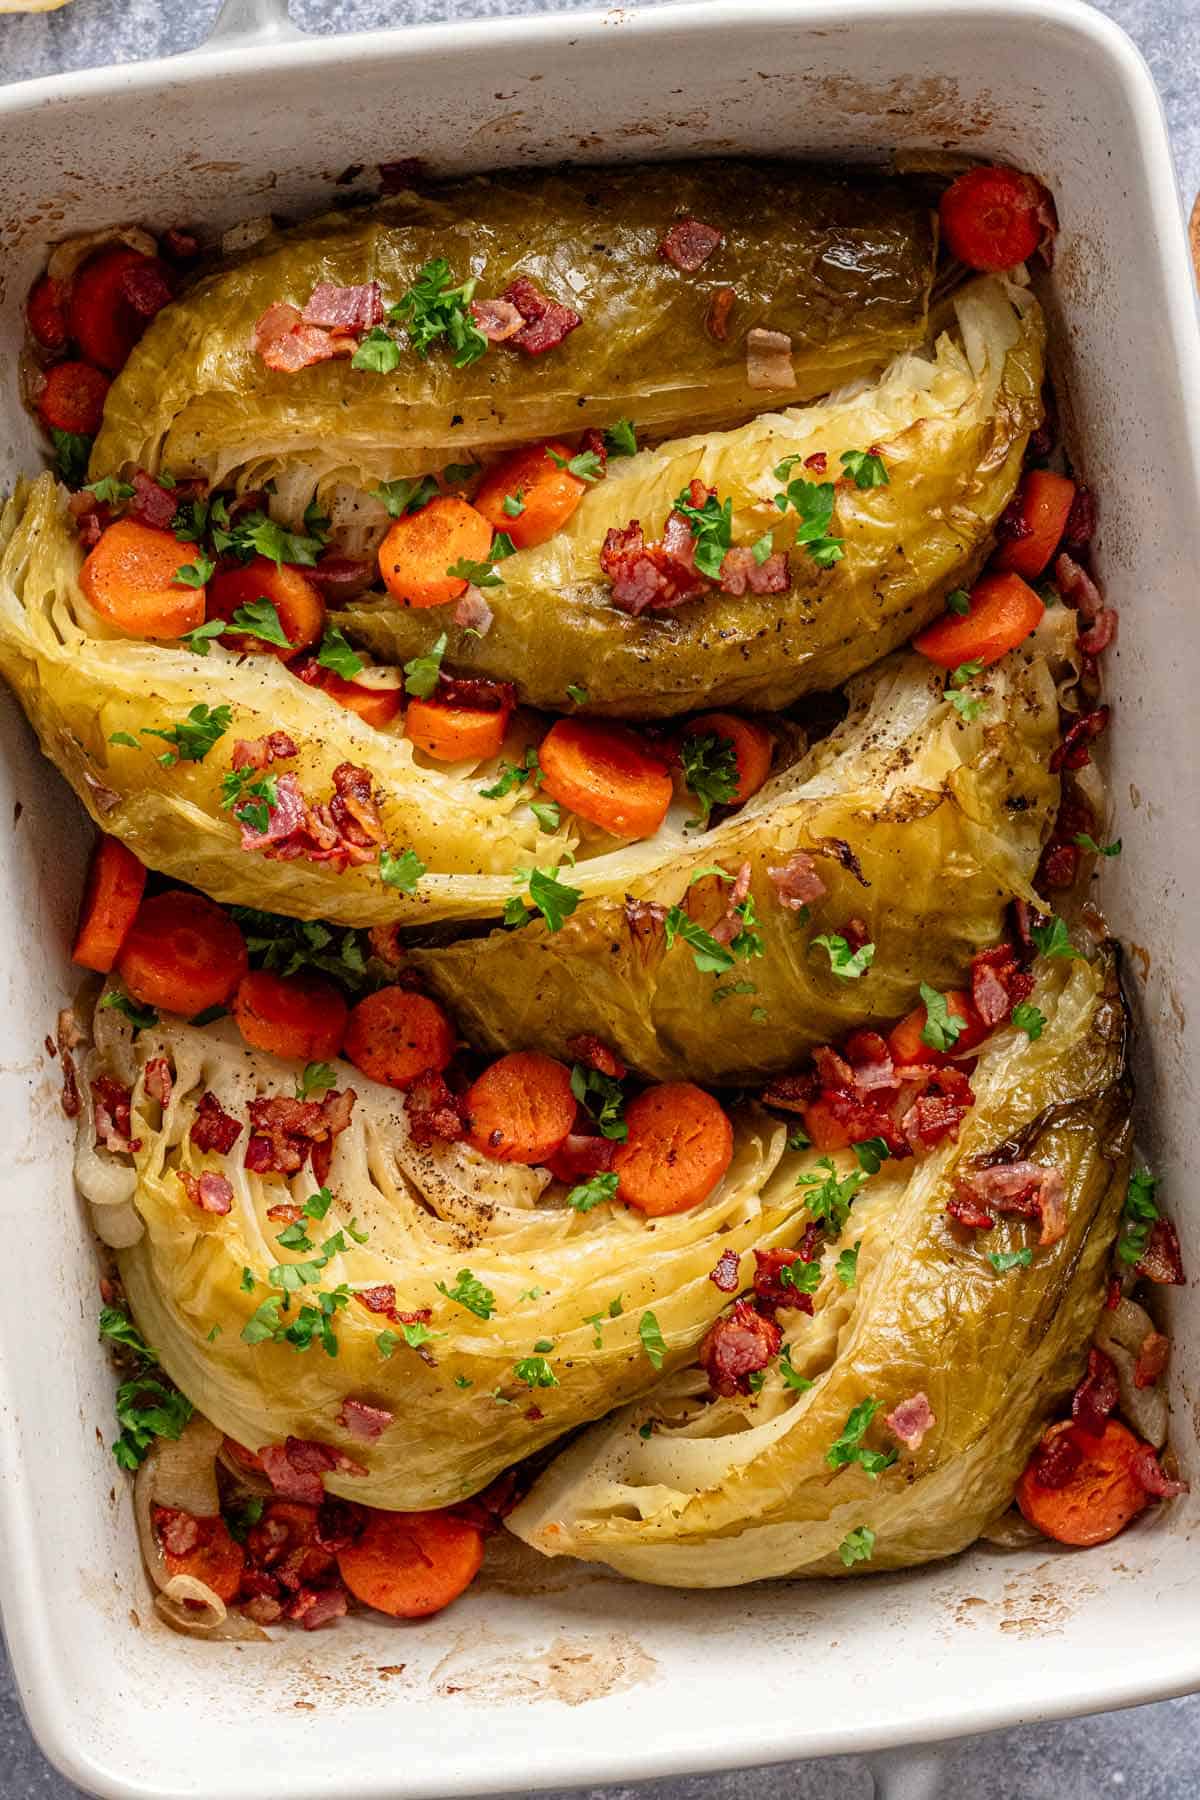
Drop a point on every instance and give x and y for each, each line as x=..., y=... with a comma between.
x=951, y=425
x=725, y=1492
x=843, y=266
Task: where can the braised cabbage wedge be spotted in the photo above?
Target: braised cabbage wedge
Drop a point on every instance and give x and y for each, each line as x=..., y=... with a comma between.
x=921, y=824
x=844, y=266
x=951, y=426
x=687, y=1492
x=525, y=1317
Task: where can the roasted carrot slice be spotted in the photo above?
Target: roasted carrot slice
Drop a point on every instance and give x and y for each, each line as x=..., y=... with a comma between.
x=452, y=734
x=521, y=1108
x=396, y=1036
x=421, y=547
x=103, y=323
x=907, y=1046
x=377, y=702
x=751, y=743
x=130, y=579
x=606, y=774
x=115, y=883
x=182, y=954
x=47, y=313
x=993, y=218
x=679, y=1146
x=1042, y=507
x=290, y=1015
x=1098, y=1499
x=544, y=493
x=299, y=608
x=412, y=1564
x=214, y=1558
x=1003, y=611
x=72, y=397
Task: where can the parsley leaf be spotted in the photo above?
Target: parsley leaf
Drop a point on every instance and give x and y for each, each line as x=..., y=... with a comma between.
x=942, y=1028
x=848, y=1446
x=406, y=496
x=336, y=654
x=846, y=1266
x=193, y=737
x=551, y=897
x=603, y=1098
x=71, y=452
x=804, y=1276
x=433, y=310
x=199, y=638
x=798, y=1139
x=401, y=871
x=710, y=770
x=1138, y=1217
x=966, y=671
x=1029, y=1019
x=421, y=674
x=590, y=1193
x=317, y=1078
x=513, y=775
x=792, y=1378
x=857, y=1546
x=260, y=619
x=1003, y=1260
x=620, y=439
x=250, y=794
x=148, y=1406
x=547, y=814
x=576, y=693
x=378, y=352
x=116, y=1327
x=1086, y=841
x=712, y=529
x=1052, y=939
x=958, y=601
x=469, y=1292
x=261, y=536
x=290, y=945
x=513, y=505
x=866, y=468
x=140, y=1017
x=194, y=575
x=710, y=957
x=653, y=1342
x=845, y=963
x=812, y=501
x=871, y=1154
x=586, y=466
x=828, y=1198
x=480, y=574
x=109, y=489
x=762, y=547
x=535, y=1372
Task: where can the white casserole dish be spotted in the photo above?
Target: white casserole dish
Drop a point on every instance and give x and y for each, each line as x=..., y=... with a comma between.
x=576, y=1677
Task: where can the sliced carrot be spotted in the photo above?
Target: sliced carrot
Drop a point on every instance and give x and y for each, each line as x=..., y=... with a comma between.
x=823, y=1126
x=115, y=883
x=679, y=1146
x=103, y=323
x=287, y=1533
x=1043, y=504
x=752, y=744
x=46, y=312
x=72, y=398
x=290, y=1015
x=1003, y=611
x=396, y=1036
x=412, y=1564
x=606, y=774
x=298, y=606
x=992, y=218
x=422, y=546
x=1099, y=1498
x=376, y=702
x=216, y=1559
x=453, y=734
x=908, y=1047
x=182, y=954
x=521, y=1108
x=546, y=494
x=130, y=579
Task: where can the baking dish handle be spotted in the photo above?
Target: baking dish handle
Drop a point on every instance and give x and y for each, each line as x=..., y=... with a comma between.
x=913, y=1772
x=249, y=22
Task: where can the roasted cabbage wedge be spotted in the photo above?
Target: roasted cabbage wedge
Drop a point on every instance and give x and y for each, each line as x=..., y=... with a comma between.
x=920, y=823
x=844, y=266
x=722, y=1492
x=952, y=426
x=569, y=1289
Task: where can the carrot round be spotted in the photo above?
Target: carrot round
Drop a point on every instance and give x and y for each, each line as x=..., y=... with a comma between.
x=453, y=734
x=375, y=704
x=295, y=1523
x=993, y=218
x=216, y=1560
x=47, y=313
x=679, y=1146
x=521, y=1108
x=111, y=897
x=1099, y=1498
x=908, y=1047
x=753, y=748
x=396, y=1036
x=823, y=1126
x=1043, y=503
x=1003, y=611
x=298, y=606
x=72, y=398
x=412, y=1564
x=422, y=546
x=102, y=322
x=290, y=1015
x=606, y=774
x=130, y=580
x=182, y=954
x=546, y=494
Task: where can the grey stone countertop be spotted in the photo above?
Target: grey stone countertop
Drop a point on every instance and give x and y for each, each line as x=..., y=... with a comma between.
x=1148, y=1753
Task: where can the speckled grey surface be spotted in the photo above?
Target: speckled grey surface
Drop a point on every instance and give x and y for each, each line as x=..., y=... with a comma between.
x=1149, y=1753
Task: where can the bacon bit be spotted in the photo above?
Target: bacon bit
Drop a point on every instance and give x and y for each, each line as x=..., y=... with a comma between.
x=592, y=1050
x=1035, y=1190
x=339, y=578
x=434, y=1112
x=297, y=1467
x=1115, y=1294
x=285, y=343
x=740, y=572
x=1162, y=1259
x=264, y=1609
x=1101, y=633
x=285, y=1213
x=179, y=244
x=734, y=896
x=260, y=753
x=1074, y=750
x=211, y=1193
x=385, y=944
x=911, y=1420
x=146, y=286
x=397, y=177
x=737, y=1347
x=314, y=1607
x=213, y=1128
x=1152, y=1478
x=1012, y=525
x=1096, y=1395
x=158, y=1080
x=177, y=1531
x=769, y=359
x=645, y=921
x=344, y=308
x=284, y=1131
x=345, y=831
x=797, y=883
x=339, y=1522
x=1153, y=1355
x=91, y=518
x=1077, y=588
x=111, y=1113
x=966, y=1212
x=727, y=1275
x=998, y=983
x=1058, y=869
x=354, y=809
x=1080, y=527
x=769, y=1284
x=689, y=243
x=363, y=1421
x=939, y=1111
x=380, y=1299
x=658, y=576
x=472, y=613
x=818, y=462
x=1057, y=1457
x=716, y=321
x=498, y=320
x=152, y=504
x=547, y=322
x=856, y=933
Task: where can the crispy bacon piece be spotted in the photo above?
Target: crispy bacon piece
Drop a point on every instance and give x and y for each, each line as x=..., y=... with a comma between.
x=264, y=1609
x=146, y=286
x=498, y=320
x=726, y=1276
x=285, y=1131
x=1097, y=1394
x=339, y=578
x=645, y=921
x=592, y=1050
x=285, y=1213
x=1058, y=868
x=92, y=518
x=939, y=1111
x=345, y=831
x=344, y=308
x=287, y=344
x=179, y=245
x=998, y=983
x=472, y=612
x=769, y=359
x=1154, y=1353
x=353, y=808
x=210, y=1192
x=651, y=576
x=1075, y=749
x=911, y=1420
x=152, y=504
x=968, y=1212
x=1077, y=587
x=733, y=896
x=741, y=573
x=818, y=462
x=213, y=1128
x=296, y=1468
x=339, y=1522
x=1080, y=527
x=1035, y=1190
x=158, y=1080
x=396, y=177
x=856, y=933
x=364, y=1421
x=177, y=1531
x=547, y=322
x=1162, y=1259
x=380, y=1299
x=1057, y=1457
x=790, y=1093
x=1012, y=526
x=260, y=753
x=770, y=1286
x=434, y=1112
x=716, y=320
x=1101, y=633
x=111, y=1102
x=313, y=1607
x=738, y=1346
x=1153, y=1479
x=689, y=243
x=797, y=882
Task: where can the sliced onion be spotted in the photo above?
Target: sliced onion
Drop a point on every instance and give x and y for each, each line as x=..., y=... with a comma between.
x=176, y=1607
x=1120, y=1334
x=247, y=234
x=66, y=258
x=1011, y=1531
x=120, y=1226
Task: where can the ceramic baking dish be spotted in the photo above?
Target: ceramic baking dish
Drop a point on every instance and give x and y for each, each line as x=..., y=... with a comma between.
x=574, y=1677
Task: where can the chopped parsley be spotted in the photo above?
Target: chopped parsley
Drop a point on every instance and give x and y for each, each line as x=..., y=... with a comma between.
x=871, y=1154
x=857, y=1546
x=965, y=705
x=845, y=963
x=804, y=1277
x=421, y=674
x=513, y=505
x=317, y=1078
x=480, y=574
x=249, y=794
x=140, y=1017
x=514, y=775
x=1029, y=1019
x=1138, y=1218
x=201, y=636
x=846, y=1266
x=259, y=535
x=336, y=654
x=109, y=489
x=812, y=502
x=469, y=1292
x=1052, y=939
x=593, y=1192
x=603, y=1098
x=792, y=1378
x=798, y=1139
x=551, y=897
x=576, y=693
x=71, y=452
x=865, y=467
x=620, y=439
x=710, y=957
x=116, y=1327
x=958, y=601
x=406, y=496
x=194, y=575
x=710, y=770
x=149, y=1406
x=942, y=1028
x=586, y=466
x=712, y=529
x=242, y=1518
x=547, y=814
x=289, y=945
x=653, y=1342
x=848, y=1446
x=432, y=311
x=401, y=870
x=1086, y=841
x=378, y=352
x=193, y=738
x=535, y=1372
x=828, y=1198
x=1003, y=1260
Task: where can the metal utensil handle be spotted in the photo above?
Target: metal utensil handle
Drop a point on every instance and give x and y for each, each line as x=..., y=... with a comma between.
x=252, y=22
